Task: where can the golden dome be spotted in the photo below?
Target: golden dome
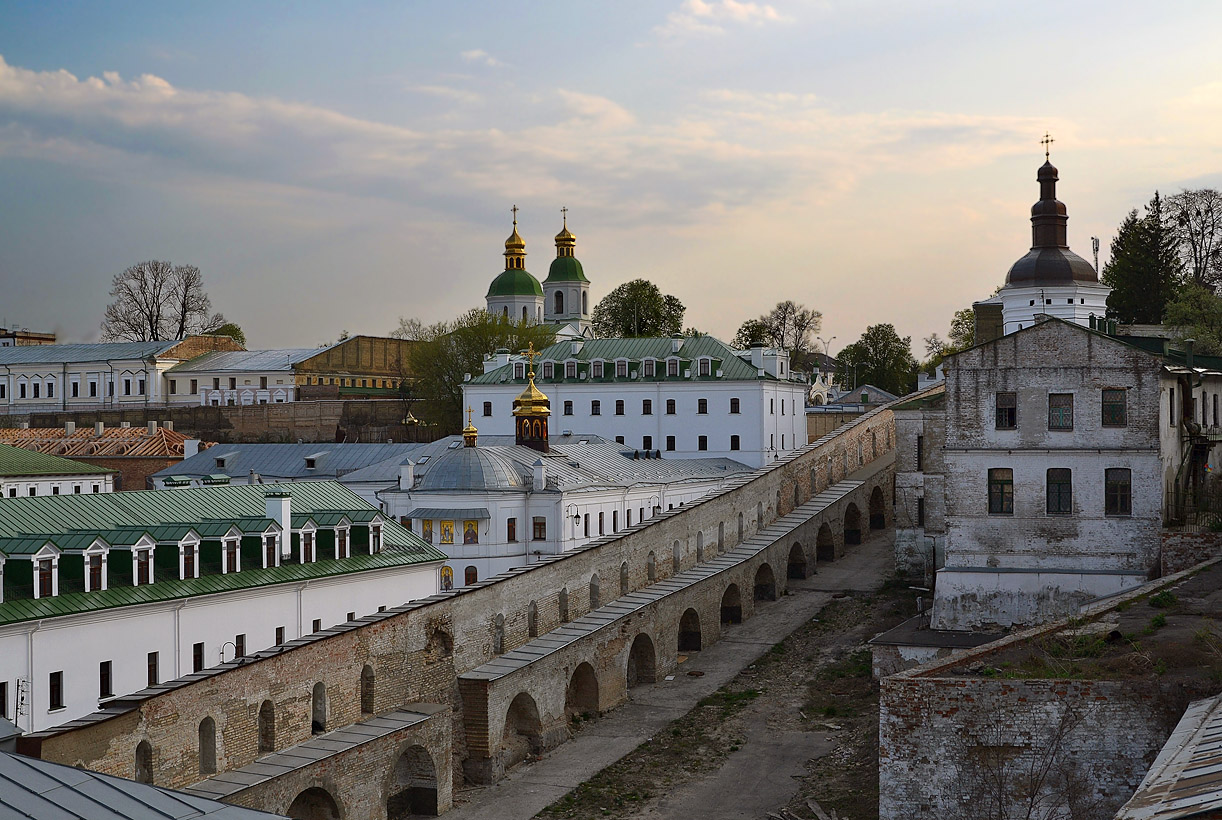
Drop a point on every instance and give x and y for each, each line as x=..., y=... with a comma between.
x=515, y=247
x=532, y=401
x=470, y=435
x=565, y=240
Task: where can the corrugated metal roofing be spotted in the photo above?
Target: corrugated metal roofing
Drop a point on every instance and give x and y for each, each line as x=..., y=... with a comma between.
x=235, y=360
x=1186, y=778
x=287, y=460
x=18, y=461
x=129, y=442
x=32, y=789
x=62, y=354
x=437, y=513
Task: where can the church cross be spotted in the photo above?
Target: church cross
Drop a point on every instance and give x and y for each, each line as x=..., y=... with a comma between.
x=530, y=354
x=515, y=215
x=564, y=214
x=469, y=412
x=1047, y=142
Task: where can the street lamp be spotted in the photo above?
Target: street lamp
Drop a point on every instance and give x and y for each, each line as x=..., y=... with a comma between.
x=826, y=350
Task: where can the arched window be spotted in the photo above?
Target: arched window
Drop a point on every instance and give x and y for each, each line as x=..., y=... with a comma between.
x=559, y=303
x=207, y=746
x=699, y=547
x=564, y=605
x=585, y=303
x=532, y=620
x=740, y=528
x=470, y=576
x=594, y=592
x=144, y=763
x=676, y=556
x=498, y=634
x=367, y=681
x=623, y=578
x=267, y=727
x=318, y=709
x=651, y=568
x=505, y=311
x=525, y=315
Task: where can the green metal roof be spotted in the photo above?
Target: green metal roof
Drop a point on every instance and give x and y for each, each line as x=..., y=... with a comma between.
x=565, y=269
x=17, y=461
x=515, y=282
x=25, y=609
x=726, y=359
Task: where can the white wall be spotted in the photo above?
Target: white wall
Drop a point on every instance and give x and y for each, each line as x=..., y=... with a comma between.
x=21, y=486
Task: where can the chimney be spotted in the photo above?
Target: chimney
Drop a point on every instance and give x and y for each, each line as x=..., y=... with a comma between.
x=407, y=475
x=757, y=357
x=577, y=345
x=125, y=424
x=190, y=447
x=676, y=342
x=169, y=425
x=540, y=475
x=99, y=429
x=25, y=425
x=152, y=428
x=69, y=428
x=280, y=509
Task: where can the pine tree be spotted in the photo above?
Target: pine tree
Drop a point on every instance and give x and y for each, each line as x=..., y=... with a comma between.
x=1144, y=270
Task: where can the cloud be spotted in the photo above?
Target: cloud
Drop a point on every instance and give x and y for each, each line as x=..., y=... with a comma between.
x=446, y=92
x=712, y=17
x=478, y=55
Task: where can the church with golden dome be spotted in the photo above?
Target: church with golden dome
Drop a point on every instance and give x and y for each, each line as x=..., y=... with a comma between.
x=562, y=299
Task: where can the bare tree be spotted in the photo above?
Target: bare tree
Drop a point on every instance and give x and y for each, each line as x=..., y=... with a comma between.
x=792, y=326
x=157, y=300
x=1196, y=219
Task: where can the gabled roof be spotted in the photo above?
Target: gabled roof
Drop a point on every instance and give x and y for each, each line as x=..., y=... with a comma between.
x=64, y=354
x=17, y=461
x=33, y=789
x=127, y=442
x=247, y=360
x=287, y=461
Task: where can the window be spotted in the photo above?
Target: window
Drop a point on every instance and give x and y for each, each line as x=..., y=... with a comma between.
x=1060, y=411
x=568, y=408
x=4, y=696
x=1007, y=411
x=648, y=366
x=143, y=562
x=95, y=573
x=670, y=407
x=1170, y=407
x=921, y=511
x=539, y=528
x=37, y=388
x=1060, y=491
x=702, y=406
x=263, y=382
x=511, y=530
x=702, y=443
x=920, y=453
x=307, y=550
x=216, y=383
x=646, y=407
x=619, y=407
x=269, y=551
x=619, y=439
x=670, y=442
x=153, y=678
x=110, y=388
x=646, y=442
x=621, y=370
x=519, y=370
x=1001, y=491
x=598, y=370
x=587, y=525
x=1114, y=410
x=194, y=386
x=771, y=407
x=93, y=390
x=55, y=691
x=316, y=627
x=734, y=407
x=596, y=408
x=239, y=644
x=602, y=530
x=105, y=684
x=570, y=370
x=615, y=521
x=139, y=384
x=1118, y=491
x=76, y=389
x=705, y=367
x=46, y=578
x=21, y=390
x=231, y=555
x=173, y=387
x=279, y=635
x=127, y=387
x=549, y=369
x=487, y=408
x=197, y=657
x=734, y=442
x=672, y=367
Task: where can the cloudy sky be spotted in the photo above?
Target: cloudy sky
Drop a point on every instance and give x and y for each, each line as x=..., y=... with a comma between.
x=336, y=166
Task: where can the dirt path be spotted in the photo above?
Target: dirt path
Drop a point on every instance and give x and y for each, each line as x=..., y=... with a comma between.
x=689, y=731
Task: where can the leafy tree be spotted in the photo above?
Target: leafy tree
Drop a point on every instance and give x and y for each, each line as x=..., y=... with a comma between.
x=881, y=357
x=1196, y=313
x=637, y=308
x=448, y=351
x=1196, y=219
x=752, y=332
x=157, y=300
x=232, y=331
x=1144, y=268
x=962, y=335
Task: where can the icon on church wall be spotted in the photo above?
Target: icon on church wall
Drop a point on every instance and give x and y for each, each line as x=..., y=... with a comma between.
x=447, y=578
x=426, y=530
x=447, y=532
x=470, y=532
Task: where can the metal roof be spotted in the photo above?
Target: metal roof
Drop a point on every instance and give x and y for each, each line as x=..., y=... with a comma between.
x=65, y=354
x=286, y=461
x=253, y=360
x=17, y=461
x=32, y=789
x=437, y=513
x=1186, y=778
x=126, y=442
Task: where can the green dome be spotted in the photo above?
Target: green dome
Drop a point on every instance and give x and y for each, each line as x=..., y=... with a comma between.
x=516, y=282
x=566, y=269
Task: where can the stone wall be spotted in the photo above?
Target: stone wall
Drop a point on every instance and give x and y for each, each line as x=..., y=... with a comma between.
x=1181, y=550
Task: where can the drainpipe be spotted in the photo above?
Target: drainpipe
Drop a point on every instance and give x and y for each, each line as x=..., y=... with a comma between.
x=177, y=639
x=30, y=680
x=63, y=387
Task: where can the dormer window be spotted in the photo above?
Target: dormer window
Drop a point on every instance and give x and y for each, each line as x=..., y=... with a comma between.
x=672, y=367
x=648, y=365
x=271, y=556
x=621, y=369
x=46, y=584
x=598, y=370
x=375, y=538
x=220, y=463
x=549, y=370
x=519, y=370
x=706, y=367
x=307, y=546
x=311, y=463
x=570, y=370
x=95, y=575
x=229, y=556
x=341, y=542
x=190, y=561
x=144, y=567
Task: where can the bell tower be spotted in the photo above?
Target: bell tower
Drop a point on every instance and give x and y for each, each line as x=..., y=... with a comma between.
x=530, y=411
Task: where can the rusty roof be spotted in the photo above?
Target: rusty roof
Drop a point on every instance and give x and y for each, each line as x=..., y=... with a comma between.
x=1186, y=778
x=115, y=442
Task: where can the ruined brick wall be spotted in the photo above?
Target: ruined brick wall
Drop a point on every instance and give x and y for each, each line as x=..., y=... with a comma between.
x=1181, y=550
x=194, y=346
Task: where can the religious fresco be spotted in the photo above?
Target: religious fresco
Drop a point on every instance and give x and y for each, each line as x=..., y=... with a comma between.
x=447, y=532
x=470, y=532
x=426, y=531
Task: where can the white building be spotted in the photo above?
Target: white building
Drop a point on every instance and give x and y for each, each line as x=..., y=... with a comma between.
x=237, y=377
x=495, y=504
x=681, y=397
x=25, y=473
x=105, y=595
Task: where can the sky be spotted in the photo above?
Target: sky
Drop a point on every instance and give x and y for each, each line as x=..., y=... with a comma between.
x=335, y=166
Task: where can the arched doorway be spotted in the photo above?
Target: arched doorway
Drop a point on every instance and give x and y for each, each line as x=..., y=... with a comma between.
x=367, y=681
x=207, y=746
x=318, y=710
x=878, y=511
x=825, y=544
x=595, y=592
x=796, y=567
x=765, y=584
x=523, y=731
x=532, y=620
x=689, y=632
x=581, y=696
x=623, y=578
x=651, y=568
x=413, y=787
x=314, y=804
x=144, y=763
x=267, y=727
x=642, y=661
x=852, y=525
x=731, y=606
